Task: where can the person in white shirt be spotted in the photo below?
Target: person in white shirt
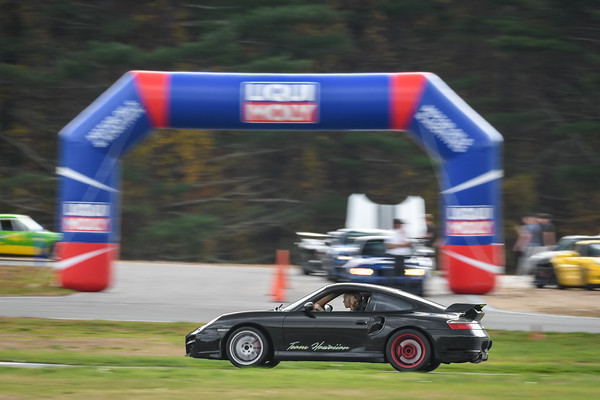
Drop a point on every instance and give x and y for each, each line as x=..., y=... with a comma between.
x=398, y=245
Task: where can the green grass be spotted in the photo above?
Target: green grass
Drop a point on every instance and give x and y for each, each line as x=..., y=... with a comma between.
x=133, y=360
x=20, y=280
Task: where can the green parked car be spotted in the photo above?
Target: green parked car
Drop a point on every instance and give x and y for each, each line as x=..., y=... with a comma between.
x=22, y=236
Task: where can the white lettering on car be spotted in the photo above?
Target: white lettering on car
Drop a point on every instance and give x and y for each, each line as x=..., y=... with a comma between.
x=318, y=346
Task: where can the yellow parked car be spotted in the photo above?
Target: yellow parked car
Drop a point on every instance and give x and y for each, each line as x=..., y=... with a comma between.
x=22, y=236
x=579, y=268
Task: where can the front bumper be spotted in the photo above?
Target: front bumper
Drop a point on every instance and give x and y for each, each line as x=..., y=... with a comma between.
x=205, y=344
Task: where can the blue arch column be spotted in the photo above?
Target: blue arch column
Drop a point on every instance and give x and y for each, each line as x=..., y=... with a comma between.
x=468, y=148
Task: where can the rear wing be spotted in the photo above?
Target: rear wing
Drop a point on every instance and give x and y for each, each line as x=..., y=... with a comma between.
x=469, y=311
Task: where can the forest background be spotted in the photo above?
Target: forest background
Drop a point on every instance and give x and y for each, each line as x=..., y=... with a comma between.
x=529, y=67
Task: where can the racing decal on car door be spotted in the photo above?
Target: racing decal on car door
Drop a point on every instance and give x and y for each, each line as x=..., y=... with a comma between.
x=318, y=346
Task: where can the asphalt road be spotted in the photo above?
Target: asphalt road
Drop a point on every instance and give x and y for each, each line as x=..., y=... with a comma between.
x=165, y=292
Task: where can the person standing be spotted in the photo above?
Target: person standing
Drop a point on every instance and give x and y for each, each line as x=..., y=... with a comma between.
x=548, y=230
x=430, y=235
x=528, y=243
x=398, y=246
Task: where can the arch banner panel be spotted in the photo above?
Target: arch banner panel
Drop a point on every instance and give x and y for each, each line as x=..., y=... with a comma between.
x=468, y=148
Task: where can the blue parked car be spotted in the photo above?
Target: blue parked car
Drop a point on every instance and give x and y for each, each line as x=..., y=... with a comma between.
x=342, y=248
x=369, y=262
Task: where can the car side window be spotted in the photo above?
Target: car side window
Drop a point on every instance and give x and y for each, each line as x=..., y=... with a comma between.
x=6, y=225
x=382, y=302
x=594, y=250
x=19, y=226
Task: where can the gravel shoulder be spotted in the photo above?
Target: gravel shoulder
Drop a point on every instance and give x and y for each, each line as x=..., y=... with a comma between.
x=573, y=302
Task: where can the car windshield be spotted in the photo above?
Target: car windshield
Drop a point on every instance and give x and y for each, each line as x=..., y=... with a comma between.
x=300, y=301
x=594, y=250
x=30, y=224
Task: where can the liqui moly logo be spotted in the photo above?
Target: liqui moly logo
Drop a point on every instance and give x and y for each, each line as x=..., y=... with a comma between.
x=470, y=221
x=280, y=102
x=85, y=217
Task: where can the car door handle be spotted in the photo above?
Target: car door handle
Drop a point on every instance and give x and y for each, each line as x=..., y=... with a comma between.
x=361, y=322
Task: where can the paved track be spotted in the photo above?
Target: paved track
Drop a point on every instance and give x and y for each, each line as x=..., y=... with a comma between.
x=198, y=293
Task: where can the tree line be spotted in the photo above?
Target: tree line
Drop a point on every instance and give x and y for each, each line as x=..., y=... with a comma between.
x=529, y=67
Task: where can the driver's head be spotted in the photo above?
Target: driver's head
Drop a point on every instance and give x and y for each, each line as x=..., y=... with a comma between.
x=352, y=300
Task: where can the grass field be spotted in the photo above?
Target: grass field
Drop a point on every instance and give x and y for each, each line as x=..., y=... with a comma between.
x=19, y=280
x=132, y=360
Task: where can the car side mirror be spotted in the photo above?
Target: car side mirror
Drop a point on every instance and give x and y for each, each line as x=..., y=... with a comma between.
x=308, y=306
x=328, y=308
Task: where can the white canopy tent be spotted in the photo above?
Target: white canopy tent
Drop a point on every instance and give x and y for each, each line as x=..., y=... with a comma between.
x=362, y=213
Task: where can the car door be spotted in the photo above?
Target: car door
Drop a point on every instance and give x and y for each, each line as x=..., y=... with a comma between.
x=15, y=238
x=325, y=335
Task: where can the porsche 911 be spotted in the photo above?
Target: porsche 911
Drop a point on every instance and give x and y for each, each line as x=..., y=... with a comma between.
x=383, y=325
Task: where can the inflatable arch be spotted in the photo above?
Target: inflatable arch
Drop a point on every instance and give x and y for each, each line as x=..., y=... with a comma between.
x=468, y=148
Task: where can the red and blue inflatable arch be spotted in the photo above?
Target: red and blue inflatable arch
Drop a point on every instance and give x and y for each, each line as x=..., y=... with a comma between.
x=467, y=147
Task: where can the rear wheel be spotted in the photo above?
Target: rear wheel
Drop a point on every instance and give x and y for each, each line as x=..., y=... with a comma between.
x=409, y=350
x=433, y=364
x=50, y=251
x=247, y=347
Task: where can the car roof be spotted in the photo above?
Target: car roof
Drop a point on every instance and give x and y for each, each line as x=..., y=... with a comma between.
x=374, y=237
x=580, y=237
x=351, y=286
x=589, y=241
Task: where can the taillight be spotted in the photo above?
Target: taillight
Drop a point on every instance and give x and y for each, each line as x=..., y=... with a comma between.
x=463, y=325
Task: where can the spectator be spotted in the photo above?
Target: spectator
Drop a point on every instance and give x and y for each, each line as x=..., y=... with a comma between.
x=431, y=235
x=398, y=246
x=548, y=230
x=528, y=243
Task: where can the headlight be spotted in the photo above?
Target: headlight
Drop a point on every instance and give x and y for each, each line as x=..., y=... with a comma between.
x=203, y=327
x=344, y=258
x=361, y=271
x=198, y=330
x=414, y=272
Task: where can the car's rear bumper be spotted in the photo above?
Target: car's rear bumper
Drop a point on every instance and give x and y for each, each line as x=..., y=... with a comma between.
x=463, y=349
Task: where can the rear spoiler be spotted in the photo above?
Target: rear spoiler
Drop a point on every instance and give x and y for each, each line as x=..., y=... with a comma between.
x=469, y=311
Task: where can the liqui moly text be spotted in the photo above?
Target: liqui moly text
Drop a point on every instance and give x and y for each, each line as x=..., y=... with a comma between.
x=85, y=217
x=280, y=102
x=470, y=221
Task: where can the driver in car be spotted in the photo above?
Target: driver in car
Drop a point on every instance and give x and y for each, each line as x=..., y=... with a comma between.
x=352, y=301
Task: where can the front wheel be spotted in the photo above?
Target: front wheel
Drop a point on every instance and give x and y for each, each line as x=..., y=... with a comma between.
x=408, y=350
x=247, y=347
x=51, y=251
x=270, y=363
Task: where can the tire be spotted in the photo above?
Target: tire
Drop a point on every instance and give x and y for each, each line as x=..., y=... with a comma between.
x=433, y=364
x=270, y=363
x=50, y=251
x=247, y=347
x=409, y=350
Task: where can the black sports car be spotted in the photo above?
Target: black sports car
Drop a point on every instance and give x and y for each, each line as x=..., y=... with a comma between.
x=358, y=322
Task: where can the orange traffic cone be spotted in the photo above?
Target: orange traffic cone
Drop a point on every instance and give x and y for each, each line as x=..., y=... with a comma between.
x=278, y=288
x=283, y=261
